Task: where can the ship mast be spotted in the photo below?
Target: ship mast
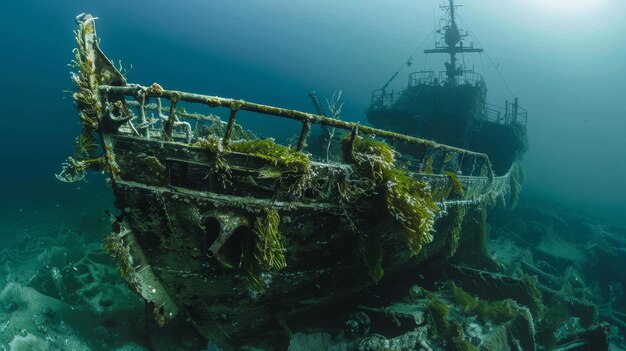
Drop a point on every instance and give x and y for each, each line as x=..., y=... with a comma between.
x=454, y=45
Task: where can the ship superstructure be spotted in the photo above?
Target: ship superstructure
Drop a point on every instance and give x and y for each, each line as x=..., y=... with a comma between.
x=450, y=106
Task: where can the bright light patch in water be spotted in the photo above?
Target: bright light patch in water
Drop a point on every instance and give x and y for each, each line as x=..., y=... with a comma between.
x=568, y=7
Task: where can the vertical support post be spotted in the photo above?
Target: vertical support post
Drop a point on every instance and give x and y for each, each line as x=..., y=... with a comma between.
x=141, y=95
x=423, y=160
x=353, y=135
x=459, y=169
x=229, y=127
x=515, y=111
x=506, y=112
x=169, y=126
x=304, y=134
x=473, y=165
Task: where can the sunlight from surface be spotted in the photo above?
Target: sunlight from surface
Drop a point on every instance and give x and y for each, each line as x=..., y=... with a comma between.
x=567, y=7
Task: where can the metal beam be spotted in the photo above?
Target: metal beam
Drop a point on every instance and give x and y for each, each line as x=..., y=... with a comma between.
x=216, y=101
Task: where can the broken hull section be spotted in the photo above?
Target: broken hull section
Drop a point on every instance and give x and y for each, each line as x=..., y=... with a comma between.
x=192, y=238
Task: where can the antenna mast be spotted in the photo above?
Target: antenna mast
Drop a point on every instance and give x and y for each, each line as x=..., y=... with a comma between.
x=452, y=36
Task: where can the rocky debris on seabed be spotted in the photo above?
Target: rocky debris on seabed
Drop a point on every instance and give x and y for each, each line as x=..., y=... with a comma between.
x=59, y=290
x=557, y=285
x=446, y=319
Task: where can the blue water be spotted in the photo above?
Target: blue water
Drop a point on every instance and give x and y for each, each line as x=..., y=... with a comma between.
x=276, y=53
x=568, y=76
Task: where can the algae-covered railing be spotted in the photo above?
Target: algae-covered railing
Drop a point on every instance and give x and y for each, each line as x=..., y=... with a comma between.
x=448, y=158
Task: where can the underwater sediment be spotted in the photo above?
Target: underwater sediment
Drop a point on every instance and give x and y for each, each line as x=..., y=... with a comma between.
x=558, y=287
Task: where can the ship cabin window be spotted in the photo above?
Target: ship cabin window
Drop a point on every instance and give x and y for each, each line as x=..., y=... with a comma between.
x=189, y=175
x=178, y=172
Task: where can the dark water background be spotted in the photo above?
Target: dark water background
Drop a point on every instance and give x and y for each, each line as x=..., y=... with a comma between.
x=565, y=64
x=564, y=60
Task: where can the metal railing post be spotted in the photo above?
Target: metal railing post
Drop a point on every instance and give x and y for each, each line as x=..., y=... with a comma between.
x=423, y=160
x=515, y=105
x=306, y=118
x=473, y=167
x=229, y=127
x=304, y=134
x=169, y=126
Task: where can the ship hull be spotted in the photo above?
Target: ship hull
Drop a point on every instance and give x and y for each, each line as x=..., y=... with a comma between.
x=192, y=238
x=235, y=232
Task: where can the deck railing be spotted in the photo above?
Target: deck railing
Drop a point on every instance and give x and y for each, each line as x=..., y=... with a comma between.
x=510, y=114
x=434, y=156
x=421, y=78
x=467, y=77
x=382, y=99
